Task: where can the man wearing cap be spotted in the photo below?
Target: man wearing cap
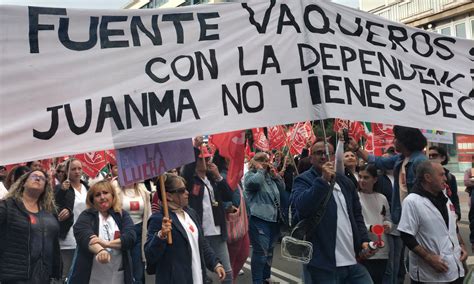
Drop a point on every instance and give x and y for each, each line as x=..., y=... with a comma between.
x=207, y=192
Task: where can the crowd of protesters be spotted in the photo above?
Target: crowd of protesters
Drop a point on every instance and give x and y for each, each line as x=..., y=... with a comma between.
x=60, y=226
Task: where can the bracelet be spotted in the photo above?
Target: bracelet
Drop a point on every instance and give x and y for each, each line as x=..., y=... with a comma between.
x=101, y=250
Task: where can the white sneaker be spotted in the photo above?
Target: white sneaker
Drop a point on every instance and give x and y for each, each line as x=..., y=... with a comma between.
x=241, y=272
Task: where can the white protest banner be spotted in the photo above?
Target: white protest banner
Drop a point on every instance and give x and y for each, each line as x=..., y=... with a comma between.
x=75, y=81
x=147, y=161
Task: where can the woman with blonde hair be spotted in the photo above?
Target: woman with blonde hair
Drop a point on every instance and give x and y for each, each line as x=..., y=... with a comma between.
x=135, y=199
x=29, y=247
x=104, y=235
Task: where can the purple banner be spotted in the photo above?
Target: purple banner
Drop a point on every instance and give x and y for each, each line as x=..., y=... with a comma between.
x=147, y=161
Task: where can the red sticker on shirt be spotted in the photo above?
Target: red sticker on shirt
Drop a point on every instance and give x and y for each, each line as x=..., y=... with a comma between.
x=116, y=235
x=191, y=228
x=196, y=189
x=134, y=205
x=32, y=219
x=451, y=207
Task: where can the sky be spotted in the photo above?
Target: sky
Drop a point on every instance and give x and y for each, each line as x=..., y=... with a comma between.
x=108, y=4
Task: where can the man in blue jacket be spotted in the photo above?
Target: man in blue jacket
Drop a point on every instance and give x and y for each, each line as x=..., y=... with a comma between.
x=341, y=234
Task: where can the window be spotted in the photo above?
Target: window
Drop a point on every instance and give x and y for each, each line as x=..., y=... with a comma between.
x=446, y=31
x=461, y=30
x=472, y=29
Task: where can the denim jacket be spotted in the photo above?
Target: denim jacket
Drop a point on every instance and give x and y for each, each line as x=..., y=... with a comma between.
x=395, y=163
x=263, y=194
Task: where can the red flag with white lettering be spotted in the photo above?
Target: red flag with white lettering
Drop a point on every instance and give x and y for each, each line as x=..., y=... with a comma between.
x=260, y=140
x=231, y=145
x=92, y=162
x=297, y=138
x=356, y=129
x=276, y=137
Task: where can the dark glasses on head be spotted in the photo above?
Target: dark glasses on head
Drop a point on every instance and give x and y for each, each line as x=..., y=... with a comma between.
x=180, y=190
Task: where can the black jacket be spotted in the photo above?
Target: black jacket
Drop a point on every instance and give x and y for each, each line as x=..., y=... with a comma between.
x=172, y=263
x=15, y=246
x=65, y=199
x=87, y=225
x=196, y=187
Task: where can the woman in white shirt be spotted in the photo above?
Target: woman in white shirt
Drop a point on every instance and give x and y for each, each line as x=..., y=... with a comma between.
x=376, y=211
x=70, y=195
x=135, y=199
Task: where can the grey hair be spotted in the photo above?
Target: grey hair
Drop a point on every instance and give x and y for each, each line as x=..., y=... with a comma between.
x=425, y=167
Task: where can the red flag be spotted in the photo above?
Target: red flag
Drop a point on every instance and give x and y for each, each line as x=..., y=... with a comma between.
x=260, y=140
x=309, y=129
x=298, y=138
x=231, y=146
x=383, y=137
x=276, y=137
x=110, y=157
x=356, y=129
x=92, y=162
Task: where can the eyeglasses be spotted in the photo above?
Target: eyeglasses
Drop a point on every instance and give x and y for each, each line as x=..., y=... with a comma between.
x=180, y=190
x=41, y=178
x=321, y=153
x=433, y=156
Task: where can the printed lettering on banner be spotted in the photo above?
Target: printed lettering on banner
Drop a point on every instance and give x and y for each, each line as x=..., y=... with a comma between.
x=113, y=79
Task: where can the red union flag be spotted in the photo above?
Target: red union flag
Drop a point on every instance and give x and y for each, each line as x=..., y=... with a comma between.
x=259, y=139
x=276, y=137
x=92, y=162
x=356, y=129
x=299, y=136
x=383, y=137
x=110, y=157
x=231, y=145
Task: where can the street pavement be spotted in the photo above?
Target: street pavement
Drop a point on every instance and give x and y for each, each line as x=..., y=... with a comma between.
x=284, y=271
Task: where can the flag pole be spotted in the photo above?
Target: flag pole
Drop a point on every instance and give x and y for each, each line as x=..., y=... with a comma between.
x=326, y=144
x=165, y=206
x=289, y=153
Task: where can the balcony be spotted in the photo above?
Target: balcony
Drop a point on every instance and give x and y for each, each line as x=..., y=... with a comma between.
x=412, y=10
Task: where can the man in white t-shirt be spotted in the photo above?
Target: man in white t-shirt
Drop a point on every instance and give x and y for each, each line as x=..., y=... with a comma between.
x=428, y=229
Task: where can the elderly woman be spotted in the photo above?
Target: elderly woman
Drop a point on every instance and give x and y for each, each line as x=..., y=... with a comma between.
x=185, y=261
x=104, y=235
x=29, y=246
x=262, y=188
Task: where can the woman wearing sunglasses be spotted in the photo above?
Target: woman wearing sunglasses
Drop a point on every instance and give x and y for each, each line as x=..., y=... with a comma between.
x=184, y=261
x=29, y=246
x=104, y=235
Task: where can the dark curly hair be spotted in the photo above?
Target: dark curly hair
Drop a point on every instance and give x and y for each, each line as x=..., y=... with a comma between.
x=411, y=138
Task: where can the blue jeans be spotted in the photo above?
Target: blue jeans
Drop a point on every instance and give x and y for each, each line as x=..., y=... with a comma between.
x=136, y=253
x=263, y=236
x=353, y=274
x=395, y=244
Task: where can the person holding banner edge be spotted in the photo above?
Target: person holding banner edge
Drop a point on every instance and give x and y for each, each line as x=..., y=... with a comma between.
x=336, y=244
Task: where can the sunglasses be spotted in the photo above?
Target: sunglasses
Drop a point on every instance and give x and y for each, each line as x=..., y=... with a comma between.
x=35, y=177
x=180, y=190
